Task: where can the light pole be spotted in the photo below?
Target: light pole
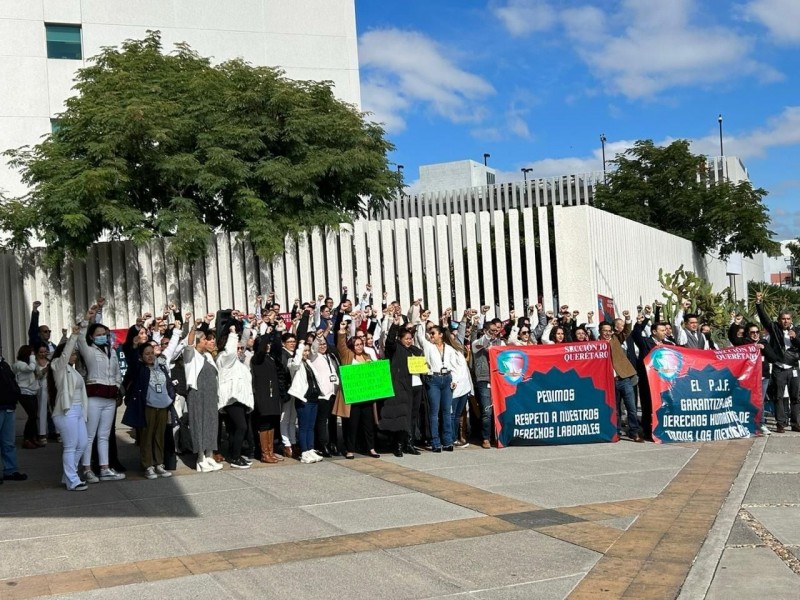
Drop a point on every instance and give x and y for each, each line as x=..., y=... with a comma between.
x=525, y=171
x=486, y=157
x=721, y=152
x=603, y=146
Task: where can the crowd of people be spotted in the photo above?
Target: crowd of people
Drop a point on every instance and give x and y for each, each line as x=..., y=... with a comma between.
x=264, y=385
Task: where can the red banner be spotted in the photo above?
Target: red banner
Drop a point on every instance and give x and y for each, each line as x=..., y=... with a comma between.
x=705, y=395
x=553, y=394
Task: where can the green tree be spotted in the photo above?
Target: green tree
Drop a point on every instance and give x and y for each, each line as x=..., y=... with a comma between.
x=156, y=144
x=667, y=187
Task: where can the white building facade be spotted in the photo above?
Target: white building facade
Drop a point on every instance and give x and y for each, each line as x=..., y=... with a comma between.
x=44, y=42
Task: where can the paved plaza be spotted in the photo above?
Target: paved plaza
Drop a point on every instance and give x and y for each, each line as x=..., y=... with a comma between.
x=625, y=520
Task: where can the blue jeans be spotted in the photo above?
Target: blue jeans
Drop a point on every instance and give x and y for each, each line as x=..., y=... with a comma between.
x=625, y=394
x=306, y=420
x=485, y=399
x=458, y=408
x=440, y=396
x=764, y=386
x=8, y=423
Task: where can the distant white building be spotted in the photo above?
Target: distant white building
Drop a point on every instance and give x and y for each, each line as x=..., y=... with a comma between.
x=454, y=175
x=44, y=42
x=468, y=186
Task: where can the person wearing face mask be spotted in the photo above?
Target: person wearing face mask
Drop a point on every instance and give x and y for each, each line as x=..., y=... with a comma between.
x=103, y=379
x=70, y=408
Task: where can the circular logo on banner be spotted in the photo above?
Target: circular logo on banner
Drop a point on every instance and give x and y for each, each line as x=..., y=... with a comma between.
x=512, y=365
x=667, y=363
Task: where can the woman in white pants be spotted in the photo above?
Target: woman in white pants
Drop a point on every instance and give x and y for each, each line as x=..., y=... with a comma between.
x=103, y=381
x=70, y=404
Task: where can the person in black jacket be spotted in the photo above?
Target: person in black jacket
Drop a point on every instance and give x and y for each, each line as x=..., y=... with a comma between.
x=769, y=357
x=270, y=383
x=397, y=411
x=784, y=340
x=657, y=337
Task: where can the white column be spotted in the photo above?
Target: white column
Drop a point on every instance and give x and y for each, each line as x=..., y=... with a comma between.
x=346, y=247
x=223, y=268
x=292, y=285
x=403, y=270
x=502, y=271
x=120, y=288
x=484, y=220
x=516, y=274
x=145, y=268
x=431, y=274
x=307, y=288
x=415, y=252
x=457, y=254
x=389, y=257
x=199, y=306
x=444, y=262
x=361, y=266
x=251, y=272
x=134, y=299
x=212, y=279
x=279, y=282
x=530, y=256
x=159, y=276
x=375, y=260
x=470, y=227
x=238, y=273
x=318, y=260
x=544, y=250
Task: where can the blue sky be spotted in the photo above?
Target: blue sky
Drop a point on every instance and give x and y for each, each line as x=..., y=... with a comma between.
x=535, y=82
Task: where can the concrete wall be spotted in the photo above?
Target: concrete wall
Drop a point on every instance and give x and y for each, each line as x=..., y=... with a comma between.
x=309, y=39
x=600, y=253
x=456, y=261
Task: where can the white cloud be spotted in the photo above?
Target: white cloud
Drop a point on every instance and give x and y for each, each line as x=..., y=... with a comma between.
x=780, y=17
x=660, y=46
x=402, y=70
x=513, y=123
x=521, y=17
x=780, y=130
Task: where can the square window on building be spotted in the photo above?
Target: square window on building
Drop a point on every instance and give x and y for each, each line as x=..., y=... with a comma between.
x=64, y=41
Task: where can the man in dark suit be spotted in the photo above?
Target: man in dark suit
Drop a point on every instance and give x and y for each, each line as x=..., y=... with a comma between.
x=646, y=343
x=785, y=341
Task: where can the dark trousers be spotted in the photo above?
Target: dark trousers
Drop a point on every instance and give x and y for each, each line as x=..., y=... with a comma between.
x=361, y=419
x=31, y=406
x=417, y=393
x=324, y=434
x=237, y=419
x=783, y=379
x=646, y=403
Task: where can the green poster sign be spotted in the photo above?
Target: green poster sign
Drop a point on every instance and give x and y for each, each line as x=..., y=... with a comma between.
x=367, y=381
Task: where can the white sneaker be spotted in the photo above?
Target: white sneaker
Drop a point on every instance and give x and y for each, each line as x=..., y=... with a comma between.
x=109, y=474
x=150, y=473
x=315, y=455
x=90, y=477
x=212, y=464
x=306, y=458
x=162, y=472
x=765, y=430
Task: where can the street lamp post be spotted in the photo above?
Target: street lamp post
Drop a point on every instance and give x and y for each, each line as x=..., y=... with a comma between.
x=486, y=156
x=721, y=151
x=525, y=171
x=603, y=146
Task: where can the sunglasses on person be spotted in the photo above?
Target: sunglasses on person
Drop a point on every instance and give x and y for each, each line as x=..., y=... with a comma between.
x=524, y=332
x=754, y=332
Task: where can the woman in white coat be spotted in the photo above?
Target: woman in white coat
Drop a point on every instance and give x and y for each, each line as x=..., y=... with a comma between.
x=70, y=408
x=235, y=395
x=305, y=394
